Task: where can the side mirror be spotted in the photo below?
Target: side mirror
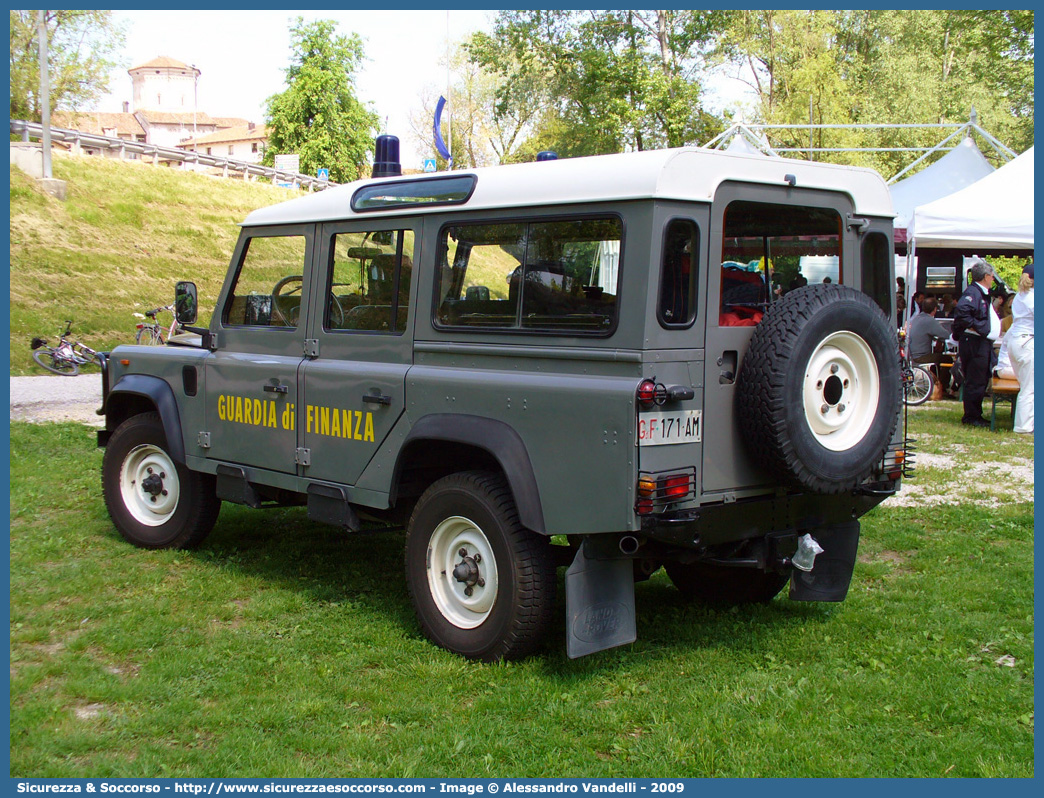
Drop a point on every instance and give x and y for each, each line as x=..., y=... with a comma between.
x=185, y=302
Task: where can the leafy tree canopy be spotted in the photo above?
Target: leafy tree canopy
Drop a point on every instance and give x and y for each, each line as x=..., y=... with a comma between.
x=604, y=81
x=318, y=116
x=81, y=48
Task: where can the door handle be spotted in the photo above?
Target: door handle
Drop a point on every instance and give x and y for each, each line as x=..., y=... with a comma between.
x=378, y=399
x=276, y=389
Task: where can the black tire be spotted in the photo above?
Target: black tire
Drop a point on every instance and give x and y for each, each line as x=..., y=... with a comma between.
x=919, y=389
x=509, y=611
x=820, y=352
x=186, y=505
x=721, y=585
x=46, y=359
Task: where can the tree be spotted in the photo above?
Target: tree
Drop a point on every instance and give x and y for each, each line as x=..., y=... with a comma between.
x=318, y=116
x=81, y=48
x=484, y=133
x=607, y=81
x=879, y=66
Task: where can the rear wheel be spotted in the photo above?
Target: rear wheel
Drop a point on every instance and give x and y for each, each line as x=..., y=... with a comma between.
x=155, y=502
x=920, y=387
x=719, y=584
x=46, y=358
x=482, y=585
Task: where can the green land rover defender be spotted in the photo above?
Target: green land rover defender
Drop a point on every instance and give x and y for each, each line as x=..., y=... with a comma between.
x=680, y=358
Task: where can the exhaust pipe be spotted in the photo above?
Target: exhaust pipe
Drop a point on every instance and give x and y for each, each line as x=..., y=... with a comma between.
x=629, y=545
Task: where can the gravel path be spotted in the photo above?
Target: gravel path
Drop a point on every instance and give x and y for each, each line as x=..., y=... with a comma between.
x=57, y=399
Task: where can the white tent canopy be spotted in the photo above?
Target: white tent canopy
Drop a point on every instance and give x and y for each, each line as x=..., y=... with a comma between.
x=960, y=167
x=995, y=212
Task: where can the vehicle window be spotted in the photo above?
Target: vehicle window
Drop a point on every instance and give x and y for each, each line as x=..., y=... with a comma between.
x=877, y=270
x=770, y=249
x=679, y=275
x=555, y=276
x=406, y=194
x=267, y=291
x=369, y=288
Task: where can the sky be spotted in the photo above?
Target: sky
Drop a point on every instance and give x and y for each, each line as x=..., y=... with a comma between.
x=241, y=56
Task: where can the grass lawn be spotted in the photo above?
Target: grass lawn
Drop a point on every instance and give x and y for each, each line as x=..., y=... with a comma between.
x=286, y=648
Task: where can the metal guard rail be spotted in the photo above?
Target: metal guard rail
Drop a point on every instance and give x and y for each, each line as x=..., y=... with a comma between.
x=29, y=130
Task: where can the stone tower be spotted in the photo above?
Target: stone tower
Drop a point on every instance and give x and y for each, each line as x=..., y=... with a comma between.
x=164, y=84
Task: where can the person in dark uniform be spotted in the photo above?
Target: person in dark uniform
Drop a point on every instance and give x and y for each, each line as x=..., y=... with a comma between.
x=976, y=326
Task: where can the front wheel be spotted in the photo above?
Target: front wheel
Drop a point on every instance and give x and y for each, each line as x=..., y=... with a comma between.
x=722, y=585
x=482, y=585
x=46, y=358
x=155, y=502
x=919, y=386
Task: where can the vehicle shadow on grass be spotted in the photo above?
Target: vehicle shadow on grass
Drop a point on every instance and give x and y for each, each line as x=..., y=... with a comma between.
x=285, y=549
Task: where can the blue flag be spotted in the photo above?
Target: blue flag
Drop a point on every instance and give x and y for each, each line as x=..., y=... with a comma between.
x=436, y=128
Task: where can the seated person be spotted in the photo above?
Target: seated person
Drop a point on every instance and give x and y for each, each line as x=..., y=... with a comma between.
x=922, y=332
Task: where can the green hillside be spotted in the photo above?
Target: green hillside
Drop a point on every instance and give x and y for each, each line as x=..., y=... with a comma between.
x=125, y=234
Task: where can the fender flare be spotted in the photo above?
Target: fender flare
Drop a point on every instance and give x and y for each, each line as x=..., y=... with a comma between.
x=501, y=441
x=160, y=393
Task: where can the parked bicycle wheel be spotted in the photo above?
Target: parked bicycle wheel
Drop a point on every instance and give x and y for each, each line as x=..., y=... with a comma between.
x=46, y=358
x=148, y=336
x=920, y=386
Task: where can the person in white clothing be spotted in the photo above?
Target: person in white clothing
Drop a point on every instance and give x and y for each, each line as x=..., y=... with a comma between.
x=1020, y=349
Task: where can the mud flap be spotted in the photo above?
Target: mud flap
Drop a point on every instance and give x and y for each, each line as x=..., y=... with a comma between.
x=832, y=572
x=599, y=602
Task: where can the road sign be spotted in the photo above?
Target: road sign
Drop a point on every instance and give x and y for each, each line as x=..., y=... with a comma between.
x=429, y=164
x=288, y=163
x=323, y=174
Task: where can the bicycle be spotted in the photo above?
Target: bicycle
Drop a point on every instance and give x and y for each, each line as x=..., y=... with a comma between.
x=67, y=357
x=150, y=333
x=918, y=382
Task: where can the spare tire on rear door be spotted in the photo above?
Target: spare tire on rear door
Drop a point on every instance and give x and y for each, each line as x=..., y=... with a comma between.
x=819, y=389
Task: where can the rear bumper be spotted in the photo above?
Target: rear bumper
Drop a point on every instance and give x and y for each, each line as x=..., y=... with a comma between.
x=755, y=517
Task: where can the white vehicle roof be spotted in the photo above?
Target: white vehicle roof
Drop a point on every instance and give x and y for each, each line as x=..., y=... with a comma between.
x=679, y=174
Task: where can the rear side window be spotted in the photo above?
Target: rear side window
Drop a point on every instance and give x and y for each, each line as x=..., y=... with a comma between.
x=558, y=276
x=679, y=275
x=876, y=257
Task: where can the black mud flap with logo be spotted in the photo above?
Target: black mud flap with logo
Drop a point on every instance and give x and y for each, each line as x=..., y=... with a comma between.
x=599, y=601
x=831, y=573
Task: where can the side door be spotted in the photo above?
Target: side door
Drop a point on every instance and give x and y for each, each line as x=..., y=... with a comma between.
x=252, y=378
x=355, y=384
x=764, y=241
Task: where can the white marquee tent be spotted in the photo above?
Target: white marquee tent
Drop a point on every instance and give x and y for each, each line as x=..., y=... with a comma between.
x=993, y=213
x=960, y=167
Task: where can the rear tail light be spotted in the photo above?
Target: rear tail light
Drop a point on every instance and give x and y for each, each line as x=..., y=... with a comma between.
x=647, y=392
x=676, y=486
x=659, y=490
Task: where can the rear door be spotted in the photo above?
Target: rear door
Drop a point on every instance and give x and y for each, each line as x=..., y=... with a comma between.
x=354, y=387
x=764, y=242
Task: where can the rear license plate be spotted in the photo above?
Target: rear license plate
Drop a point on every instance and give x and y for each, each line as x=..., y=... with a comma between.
x=657, y=428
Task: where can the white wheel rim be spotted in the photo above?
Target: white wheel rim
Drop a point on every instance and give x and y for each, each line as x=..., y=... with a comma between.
x=149, y=485
x=841, y=390
x=465, y=604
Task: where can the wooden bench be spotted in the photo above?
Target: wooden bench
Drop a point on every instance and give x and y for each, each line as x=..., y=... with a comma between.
x=1007, y=390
